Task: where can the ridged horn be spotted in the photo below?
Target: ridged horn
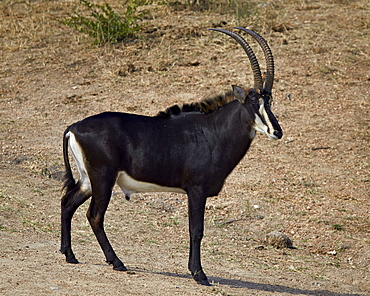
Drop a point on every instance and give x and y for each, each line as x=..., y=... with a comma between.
x=252, y=57
x=270, y=69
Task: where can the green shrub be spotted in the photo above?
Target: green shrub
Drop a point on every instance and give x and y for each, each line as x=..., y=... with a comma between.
x=106, y=25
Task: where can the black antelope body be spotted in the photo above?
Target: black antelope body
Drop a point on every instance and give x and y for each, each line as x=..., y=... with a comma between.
x=189, y=149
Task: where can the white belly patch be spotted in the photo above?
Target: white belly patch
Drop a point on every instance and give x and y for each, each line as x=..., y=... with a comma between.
x=129, y=185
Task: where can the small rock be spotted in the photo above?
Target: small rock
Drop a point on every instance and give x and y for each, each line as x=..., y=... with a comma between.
x=344, y=247
x=53, y=173
x=194, y=63
x=278, y=240
x=260, y=248
x=127, y=69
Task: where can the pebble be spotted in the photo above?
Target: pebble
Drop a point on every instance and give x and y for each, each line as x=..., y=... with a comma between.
x=278, y=240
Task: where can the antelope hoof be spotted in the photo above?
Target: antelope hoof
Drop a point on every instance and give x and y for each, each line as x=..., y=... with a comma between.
x=201, y=278
x=204, y=282
x=72, y=260
x=117, y=264
x=120, y=268
x=70, y=257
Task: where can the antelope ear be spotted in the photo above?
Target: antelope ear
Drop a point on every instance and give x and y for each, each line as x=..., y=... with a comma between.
x=239, y=93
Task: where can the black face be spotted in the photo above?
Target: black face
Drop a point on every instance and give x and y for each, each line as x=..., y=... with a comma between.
x=254, y=99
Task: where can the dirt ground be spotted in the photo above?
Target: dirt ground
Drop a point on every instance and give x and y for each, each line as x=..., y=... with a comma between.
x=313, y=185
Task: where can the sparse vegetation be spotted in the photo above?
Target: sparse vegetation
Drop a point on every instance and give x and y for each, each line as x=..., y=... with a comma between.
x=42, y=64
x=241, y=9
x=338, y=227
x=104, y=24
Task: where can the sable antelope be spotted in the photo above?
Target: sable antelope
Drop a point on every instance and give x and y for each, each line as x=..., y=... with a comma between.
x=189, y=149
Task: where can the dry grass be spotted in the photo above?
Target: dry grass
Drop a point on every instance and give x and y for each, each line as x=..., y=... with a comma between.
x=51, y=76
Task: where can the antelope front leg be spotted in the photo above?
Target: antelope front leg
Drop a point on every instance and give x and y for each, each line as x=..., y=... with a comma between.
x=196, y=228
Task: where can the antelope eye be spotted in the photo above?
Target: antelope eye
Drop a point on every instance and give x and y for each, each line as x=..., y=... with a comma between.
x=256, y=101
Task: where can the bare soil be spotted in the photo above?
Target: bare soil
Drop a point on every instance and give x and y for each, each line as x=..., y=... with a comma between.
x=313, y=185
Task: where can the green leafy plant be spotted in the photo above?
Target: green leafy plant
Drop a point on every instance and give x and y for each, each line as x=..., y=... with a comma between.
x=106, y=25
x=338, y=227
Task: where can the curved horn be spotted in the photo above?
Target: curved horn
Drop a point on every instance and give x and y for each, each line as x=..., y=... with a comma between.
x=270, y=69
x=252, y=57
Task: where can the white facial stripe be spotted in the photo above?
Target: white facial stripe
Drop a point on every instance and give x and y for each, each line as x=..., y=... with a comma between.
x=80, y=162
x=259, y=125
x=266, y=117
x=262, y=127
x=130, y=185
